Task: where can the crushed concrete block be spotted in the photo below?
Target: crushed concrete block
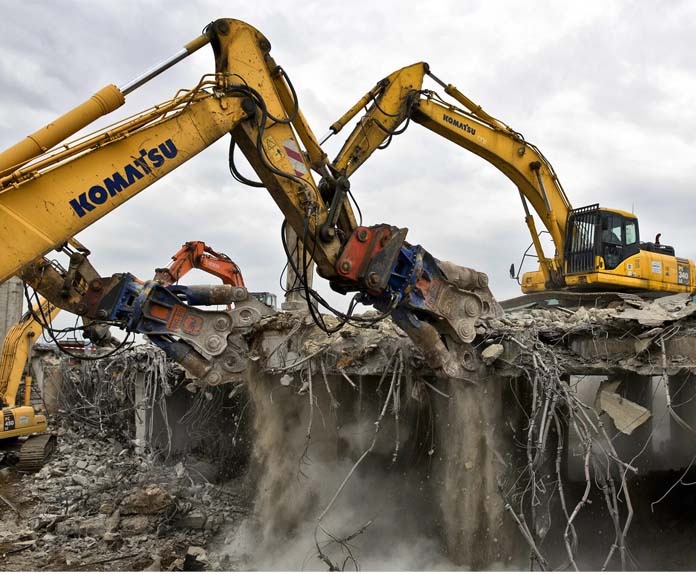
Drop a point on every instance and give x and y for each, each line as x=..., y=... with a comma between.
x=608, y=386
x=194, y=520
x=106, y=507
x=626, y=414
x=46, y=521
x=81, y=480
x=112, y=539
x=135, y=524
x=581, y=315
x=80, y=526
x=149, y=500
x=113, y=521
x=491, y=353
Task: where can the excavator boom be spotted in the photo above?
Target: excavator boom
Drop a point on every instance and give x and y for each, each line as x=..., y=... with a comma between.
x=197, y=255
x=17, y=348
x=584, y=258
x=82, y=182
x=47, y=197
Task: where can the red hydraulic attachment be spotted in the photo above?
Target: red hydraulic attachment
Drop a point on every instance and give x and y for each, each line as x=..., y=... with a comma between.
x=196, y=254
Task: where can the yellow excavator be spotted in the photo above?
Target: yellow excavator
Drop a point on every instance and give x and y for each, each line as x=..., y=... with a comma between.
x=51, y=189
x=20, y=416
x=596, y=248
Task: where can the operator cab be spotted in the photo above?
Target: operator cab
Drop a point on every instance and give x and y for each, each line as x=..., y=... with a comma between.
x=267, y=298
x=618, y=237
x=608, y=233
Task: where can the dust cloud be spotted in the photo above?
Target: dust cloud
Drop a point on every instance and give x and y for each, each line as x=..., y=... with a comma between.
x=385, y=517
x=432, y=507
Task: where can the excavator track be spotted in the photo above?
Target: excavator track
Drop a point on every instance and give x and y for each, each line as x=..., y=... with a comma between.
x=575, y=299
x=35, y=451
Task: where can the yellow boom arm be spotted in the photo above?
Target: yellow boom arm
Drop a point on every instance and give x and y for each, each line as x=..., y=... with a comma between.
x=400, y=97
x=55, y=196
x=49, y=196
x=16, y=350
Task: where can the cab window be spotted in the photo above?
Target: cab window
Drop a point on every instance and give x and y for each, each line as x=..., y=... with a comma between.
x=631, y=235
x=612, y=230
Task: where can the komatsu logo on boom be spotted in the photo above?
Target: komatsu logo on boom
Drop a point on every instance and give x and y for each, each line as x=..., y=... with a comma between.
x=125, y=177
x=461, y=125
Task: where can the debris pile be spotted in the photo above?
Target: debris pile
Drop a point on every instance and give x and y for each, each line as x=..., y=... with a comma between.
x=116, y=495
x=98, y=505
x=620, y=316
x=623, y=337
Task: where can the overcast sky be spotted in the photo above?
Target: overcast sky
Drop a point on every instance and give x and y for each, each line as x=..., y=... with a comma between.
x=606, y=90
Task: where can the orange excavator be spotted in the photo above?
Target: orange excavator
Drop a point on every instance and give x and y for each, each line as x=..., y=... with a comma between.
x=197, y=255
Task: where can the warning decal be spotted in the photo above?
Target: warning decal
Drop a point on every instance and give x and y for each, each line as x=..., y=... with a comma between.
x=295, y=156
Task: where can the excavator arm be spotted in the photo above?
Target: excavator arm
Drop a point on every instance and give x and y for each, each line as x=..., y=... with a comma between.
x=197, y=255
x=47, y=199
x=400, y=98
x=48, y=196
x=17, y=348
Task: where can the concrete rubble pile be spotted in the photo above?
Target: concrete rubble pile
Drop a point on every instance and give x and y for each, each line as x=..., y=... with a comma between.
x=97, y=505
x=106, y=502
x=558, y=321
x=284, y=342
